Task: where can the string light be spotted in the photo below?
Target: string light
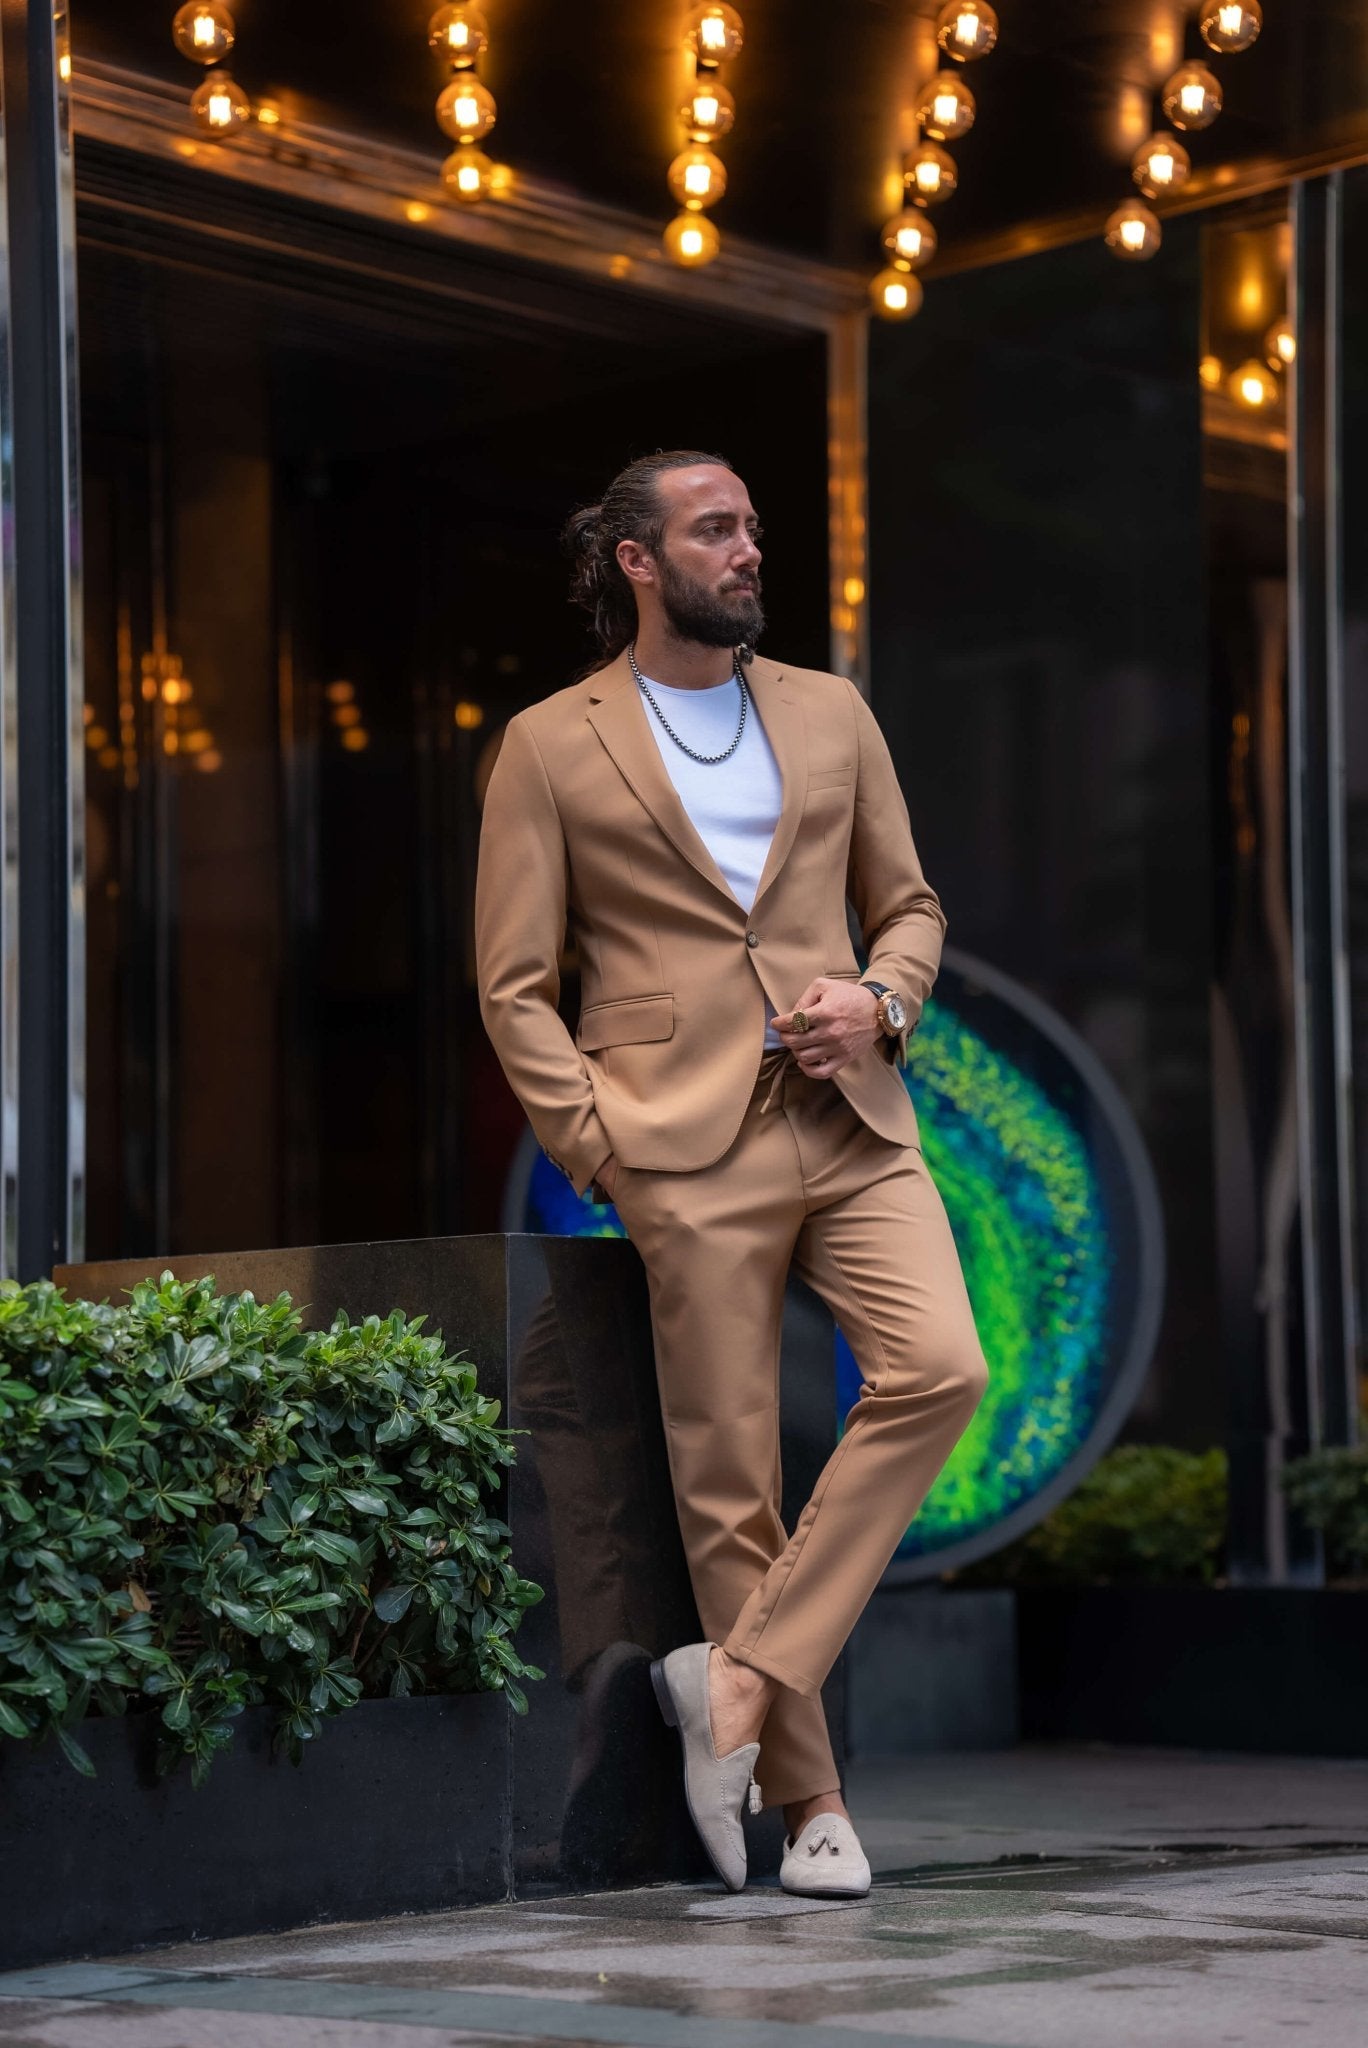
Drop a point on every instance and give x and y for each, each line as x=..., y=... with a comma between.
x=945, y=107
x=220, y=105
x=929, y=174
x=691, y=240
x=204, y=32
x=1133, y=232
x=909, y=239
x=1160, y=165
x=466, y=108
x=709, y=110
x=715, y=34
x=1254, y=385
x=468, y=174
x=1230, y=25
x=966, y=29
x=896, y=294
x=1192, y=98
x=1280, y=344
x=698, y=178
x=459, y=34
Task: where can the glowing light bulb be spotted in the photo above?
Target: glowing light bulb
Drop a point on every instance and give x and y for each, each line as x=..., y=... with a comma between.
x=945, y=107
x=466, y=108
x=966, y=29
x=467, y=174
x=220, y=104
x=896, y=294
x=203, y=32
x=691, y=240
x=1280, y=344
x=1192, y=97
x=929, y=173
x=697, y=178
x=709, y=110
x=1254, y=385
x=715, y=34
x=1211, y=370
x=460, y=34
x=1133, y=232
x=1160, y=165
x=1230, y=25
x=909, y=239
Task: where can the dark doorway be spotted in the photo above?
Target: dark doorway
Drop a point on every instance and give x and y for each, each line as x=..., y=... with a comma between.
x=323, y=490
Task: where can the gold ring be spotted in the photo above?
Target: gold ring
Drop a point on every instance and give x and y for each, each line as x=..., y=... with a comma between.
x=800, y=1021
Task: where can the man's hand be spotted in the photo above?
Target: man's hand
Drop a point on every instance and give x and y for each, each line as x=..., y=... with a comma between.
x=843, y=1020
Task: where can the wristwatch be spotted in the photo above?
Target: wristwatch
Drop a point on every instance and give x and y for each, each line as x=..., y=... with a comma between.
x=891, y=1010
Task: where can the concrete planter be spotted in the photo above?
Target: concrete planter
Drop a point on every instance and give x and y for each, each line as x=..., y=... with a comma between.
x=931, y=1668
x=401, y=1806
x=1280, y=1669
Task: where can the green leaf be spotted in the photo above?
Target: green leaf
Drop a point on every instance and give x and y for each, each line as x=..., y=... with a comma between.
x=74, y=1754
x=392, y=1602
x=13, y=1722
x=365, y=1503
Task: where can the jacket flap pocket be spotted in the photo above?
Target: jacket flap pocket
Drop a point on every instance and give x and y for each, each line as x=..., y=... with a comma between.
x=632, y=1021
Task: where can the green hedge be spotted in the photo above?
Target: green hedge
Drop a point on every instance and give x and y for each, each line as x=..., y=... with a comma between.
x=204, y=1506
x=1330, y=1490
x=1147, y=1514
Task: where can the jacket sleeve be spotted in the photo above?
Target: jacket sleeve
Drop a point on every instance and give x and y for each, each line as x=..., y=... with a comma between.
x=899, y=912
x=521, y=892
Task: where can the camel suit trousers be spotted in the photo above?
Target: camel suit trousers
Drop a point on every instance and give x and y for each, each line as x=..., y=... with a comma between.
x=807, y=1184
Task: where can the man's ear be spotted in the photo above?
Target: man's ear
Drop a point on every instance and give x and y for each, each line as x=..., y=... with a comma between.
x=636, y=561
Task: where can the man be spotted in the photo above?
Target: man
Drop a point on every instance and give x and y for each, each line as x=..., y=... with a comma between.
x=697, y=817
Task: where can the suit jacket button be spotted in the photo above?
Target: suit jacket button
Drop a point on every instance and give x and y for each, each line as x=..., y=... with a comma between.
x=752, y=938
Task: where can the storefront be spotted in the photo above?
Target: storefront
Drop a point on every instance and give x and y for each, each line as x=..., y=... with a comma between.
x=293, y=436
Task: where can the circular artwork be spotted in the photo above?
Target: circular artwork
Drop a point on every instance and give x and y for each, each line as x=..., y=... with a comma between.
x=1056, y=1217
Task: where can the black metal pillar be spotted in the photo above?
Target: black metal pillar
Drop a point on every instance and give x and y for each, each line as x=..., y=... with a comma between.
x=1317, y=818
x=40, y=208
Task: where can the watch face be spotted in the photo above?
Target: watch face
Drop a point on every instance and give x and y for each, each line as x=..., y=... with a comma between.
x=896, y=1012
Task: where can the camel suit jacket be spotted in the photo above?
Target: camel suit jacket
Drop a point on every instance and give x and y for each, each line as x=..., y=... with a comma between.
x=584, y=834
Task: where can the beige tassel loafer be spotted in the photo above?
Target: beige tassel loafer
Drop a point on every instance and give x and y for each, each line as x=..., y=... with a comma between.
x=826, y=1861
x=714, y=1786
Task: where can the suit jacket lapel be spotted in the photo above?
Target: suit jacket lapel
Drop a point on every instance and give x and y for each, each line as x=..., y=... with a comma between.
x=781, y=714
x=619, y=717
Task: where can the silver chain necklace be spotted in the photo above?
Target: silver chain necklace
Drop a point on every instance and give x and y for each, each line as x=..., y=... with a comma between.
x=706, y=759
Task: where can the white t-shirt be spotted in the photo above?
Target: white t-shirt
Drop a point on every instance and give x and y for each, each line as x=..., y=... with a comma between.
x=734, y=804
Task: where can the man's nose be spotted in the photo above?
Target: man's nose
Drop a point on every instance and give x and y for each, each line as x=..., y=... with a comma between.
x=747, y=555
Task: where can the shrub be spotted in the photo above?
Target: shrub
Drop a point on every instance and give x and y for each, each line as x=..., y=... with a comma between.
x=1330, y=1490
x=1145, y=1515
x=204, y=1506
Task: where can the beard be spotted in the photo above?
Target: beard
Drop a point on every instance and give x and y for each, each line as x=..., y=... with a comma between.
x=714, y=618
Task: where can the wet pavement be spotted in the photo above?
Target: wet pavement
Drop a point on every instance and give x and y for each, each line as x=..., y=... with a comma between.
x=1028, y=1899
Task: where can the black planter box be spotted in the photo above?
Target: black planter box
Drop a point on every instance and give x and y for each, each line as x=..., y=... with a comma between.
x=417, y=1805
x=1277, y=1669
x=401, y=1806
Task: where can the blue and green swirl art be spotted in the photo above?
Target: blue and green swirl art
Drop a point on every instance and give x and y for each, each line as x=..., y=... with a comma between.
x=1051, y=1199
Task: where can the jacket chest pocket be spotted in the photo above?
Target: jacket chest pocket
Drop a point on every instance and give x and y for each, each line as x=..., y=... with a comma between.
x=632, y=1020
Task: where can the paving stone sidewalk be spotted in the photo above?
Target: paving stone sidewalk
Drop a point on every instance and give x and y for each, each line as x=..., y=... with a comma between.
x=1031, y=1899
